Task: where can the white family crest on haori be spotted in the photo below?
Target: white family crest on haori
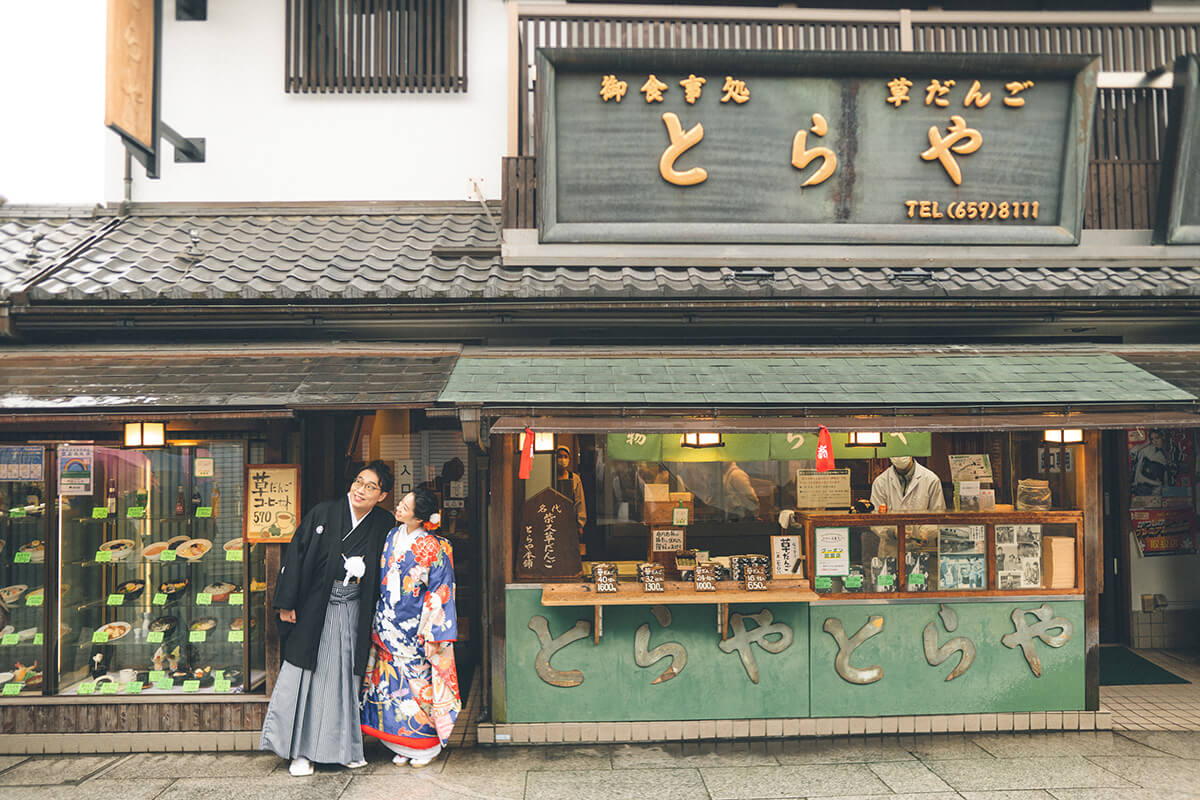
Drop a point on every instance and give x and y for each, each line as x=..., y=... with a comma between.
x=355, y=568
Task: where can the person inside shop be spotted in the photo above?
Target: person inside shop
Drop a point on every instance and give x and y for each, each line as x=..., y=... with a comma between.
x=327, y=590
x=568, y=484
x=411, y=699
x=741, y=501
x=907, y=486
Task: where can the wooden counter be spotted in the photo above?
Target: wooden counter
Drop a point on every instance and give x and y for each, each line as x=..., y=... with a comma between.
x=674, y=593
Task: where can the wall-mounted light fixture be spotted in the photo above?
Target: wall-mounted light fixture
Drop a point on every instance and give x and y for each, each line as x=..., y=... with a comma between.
x=864, y=439
x=543, y=442
x=145, y=434
x=698, y=439
x=1063, y=435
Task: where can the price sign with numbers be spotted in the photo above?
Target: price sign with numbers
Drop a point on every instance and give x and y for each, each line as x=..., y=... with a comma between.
x=237, y=636
x=233, y=555
x=87, y=688
x=17, y=513
x=135, y=512
x=156, y=675
x=204, y=599
x=38, y=639
x=204, y=511
x=12, y=688
x=155, y=637
x=191, y=686
x=116, y=599
x=34, y=599
x=10, y=638
x=109, y=687
x=100, y=512
x=100, y=637
x=198, y=636
x=235, y=599
x=164, y=683
x=22, y=558
x=103, y=556
x=134, y=687
x=160, y=599
x=221, y=686
x=167, y=555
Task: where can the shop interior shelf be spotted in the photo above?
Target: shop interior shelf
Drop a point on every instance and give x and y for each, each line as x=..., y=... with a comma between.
x=675, y=593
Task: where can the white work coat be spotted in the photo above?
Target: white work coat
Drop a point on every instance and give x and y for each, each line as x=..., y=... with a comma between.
x=924, y=491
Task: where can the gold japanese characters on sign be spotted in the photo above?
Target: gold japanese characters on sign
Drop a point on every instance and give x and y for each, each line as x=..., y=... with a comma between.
x=959, y=139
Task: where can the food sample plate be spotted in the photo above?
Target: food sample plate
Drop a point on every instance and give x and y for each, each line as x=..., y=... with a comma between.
x=153, y=551
x=233, y=544
x=121, y=549
x=165, y=625
x=193, y=549
x=36, y=550
x=220, y=591
x=203, y=624
x=131, y=589
x=173, y=589
x=10, y=594
x=115, y=630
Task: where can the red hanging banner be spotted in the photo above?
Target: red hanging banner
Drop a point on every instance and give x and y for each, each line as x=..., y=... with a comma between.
x=824, y=450
x=526, y=455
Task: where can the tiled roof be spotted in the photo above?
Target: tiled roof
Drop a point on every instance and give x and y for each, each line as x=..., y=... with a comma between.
x=450, y=255
x=1178, y=365
x=257, y=257
x=69, y=378
x=30, y=245
x=730, y=377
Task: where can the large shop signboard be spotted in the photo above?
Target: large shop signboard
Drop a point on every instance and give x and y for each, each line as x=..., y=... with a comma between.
x=712, y=146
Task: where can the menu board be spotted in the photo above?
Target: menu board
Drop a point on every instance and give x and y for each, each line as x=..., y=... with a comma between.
x=272, y=502
x=822, y=490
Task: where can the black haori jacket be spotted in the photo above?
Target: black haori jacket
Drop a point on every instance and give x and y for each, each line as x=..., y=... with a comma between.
x=311, y=563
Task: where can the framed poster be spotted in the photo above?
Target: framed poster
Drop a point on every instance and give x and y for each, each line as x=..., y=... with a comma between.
x=272, y=502
x=833, y=551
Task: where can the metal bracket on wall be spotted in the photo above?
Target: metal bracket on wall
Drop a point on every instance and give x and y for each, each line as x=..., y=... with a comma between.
x=187, y=151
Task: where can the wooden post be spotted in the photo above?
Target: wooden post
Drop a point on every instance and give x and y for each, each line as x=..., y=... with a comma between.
x=501, y=519
x=1093, y=573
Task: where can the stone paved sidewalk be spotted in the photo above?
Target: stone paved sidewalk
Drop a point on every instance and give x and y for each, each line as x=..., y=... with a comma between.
x=1132, y=765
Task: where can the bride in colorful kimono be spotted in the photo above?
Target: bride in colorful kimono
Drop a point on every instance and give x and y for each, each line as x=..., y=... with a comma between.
x=411, y=696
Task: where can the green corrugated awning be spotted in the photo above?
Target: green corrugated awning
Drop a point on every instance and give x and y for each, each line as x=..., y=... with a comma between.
x=720, y=378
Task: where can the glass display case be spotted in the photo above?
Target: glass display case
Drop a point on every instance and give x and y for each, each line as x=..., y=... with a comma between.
x=948, y=554
x=23, y=533
x=159, y=591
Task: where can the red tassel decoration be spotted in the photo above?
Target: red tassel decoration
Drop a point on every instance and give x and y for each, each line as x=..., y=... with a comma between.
x=526, y=455
x=824, y=450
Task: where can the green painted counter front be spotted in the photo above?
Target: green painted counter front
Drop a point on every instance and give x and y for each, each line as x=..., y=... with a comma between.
x=998, y=680
x=713, y=684
x=603, y=682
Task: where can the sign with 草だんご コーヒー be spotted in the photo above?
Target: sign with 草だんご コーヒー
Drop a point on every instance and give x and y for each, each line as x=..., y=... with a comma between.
x=272, y=502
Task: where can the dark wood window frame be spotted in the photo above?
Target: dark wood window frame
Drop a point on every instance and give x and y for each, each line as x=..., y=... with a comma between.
x=358, y=46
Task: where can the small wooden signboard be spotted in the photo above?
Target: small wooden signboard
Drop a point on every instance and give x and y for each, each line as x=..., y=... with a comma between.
x=548, y=537
x=272, y=502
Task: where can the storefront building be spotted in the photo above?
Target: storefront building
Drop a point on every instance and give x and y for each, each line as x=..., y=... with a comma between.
x=685, y=296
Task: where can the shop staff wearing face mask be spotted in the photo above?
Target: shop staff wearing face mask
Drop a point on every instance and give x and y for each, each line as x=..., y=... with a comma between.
x=907, y=486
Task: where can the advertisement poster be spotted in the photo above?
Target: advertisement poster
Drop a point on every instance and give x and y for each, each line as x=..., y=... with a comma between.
x=75, y=467
x=21, y=463
x=1162, y=462
x=833, y=551
x=1163, y=531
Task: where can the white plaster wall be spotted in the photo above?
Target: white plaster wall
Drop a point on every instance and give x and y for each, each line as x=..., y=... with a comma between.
x=1174, y=576
x=223, y=80
x=52, y=134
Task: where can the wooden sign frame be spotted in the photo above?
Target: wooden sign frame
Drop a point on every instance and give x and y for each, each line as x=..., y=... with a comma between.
x=247, y=520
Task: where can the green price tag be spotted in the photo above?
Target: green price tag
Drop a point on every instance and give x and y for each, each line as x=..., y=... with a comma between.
x=218, y=674
x=203, y=599
x=22, y=558
x=886, y=580
x=87, y=688
x=233, y=555
x=12, y=688
x=35, y=599
x=156, y=675
x=160, y=599
x=203, y=511
x=167, y=555
x=109, y=687
x=164, y=683
x=100, y=512
x=237, y=636
x=916, y=579
x=191, y=686
x=38, y=639
x=116, y=599
x=221, y=686
x=235, y=599
x=103, y=556
x=198, y=636
x=853, y=581
x=155, y=637
x=10, y=638
x=135, y=512
x=133, y=687
x=17, y=513
x=100, y=637
x=824, y=583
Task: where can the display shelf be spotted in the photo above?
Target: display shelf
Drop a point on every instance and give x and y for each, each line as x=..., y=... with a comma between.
x=674, y=593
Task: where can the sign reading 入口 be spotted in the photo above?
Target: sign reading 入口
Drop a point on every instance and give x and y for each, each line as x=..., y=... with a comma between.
x=681, y=146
